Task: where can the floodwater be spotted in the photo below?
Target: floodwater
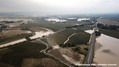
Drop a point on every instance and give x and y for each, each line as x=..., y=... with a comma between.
x=106, y=50
x=40, y=34
x=80, y=19
x=37, y=35
x=56, y=20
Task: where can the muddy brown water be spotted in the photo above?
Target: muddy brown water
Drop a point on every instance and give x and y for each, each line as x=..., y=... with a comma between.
x=106, y=51
x=37, y=35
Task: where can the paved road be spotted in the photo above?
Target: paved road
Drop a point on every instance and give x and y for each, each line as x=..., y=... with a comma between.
x=90, y=54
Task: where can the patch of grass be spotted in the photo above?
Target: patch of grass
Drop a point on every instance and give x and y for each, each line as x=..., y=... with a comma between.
x=83, y=49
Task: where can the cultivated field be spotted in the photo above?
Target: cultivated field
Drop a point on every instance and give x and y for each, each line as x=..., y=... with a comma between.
x=37, y=29
x=68, y=54
x=46, y=24
x=113, y=33
x=108, y=22
x=78, y=38
x=26, y=54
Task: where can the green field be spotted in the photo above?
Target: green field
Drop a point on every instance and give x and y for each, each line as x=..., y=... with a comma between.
x=60, y=37
x=80, y=37
x=16, y=54
x=15, y=37
x=46, y=24
x=78, y=40
x=113, y=33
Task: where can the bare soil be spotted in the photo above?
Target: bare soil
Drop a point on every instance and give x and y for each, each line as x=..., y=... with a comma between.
x=67, y=55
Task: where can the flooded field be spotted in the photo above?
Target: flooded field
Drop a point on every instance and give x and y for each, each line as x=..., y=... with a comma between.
x=83, y=19
x=56, y=20
x=37, y=35
x=107, y=50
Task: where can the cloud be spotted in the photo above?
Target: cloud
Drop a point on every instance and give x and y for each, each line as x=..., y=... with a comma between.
x=60, y=6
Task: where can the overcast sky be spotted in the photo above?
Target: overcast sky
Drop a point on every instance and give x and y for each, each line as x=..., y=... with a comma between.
x=60, y=6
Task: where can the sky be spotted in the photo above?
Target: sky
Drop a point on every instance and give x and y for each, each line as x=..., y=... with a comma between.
x=61, y=6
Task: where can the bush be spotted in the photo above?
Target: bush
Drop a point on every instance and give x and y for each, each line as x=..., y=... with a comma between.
x=67, y=45
x=27, y=38
x=77, y=49
x=86, y=48
x=97, y=33
x=109, y=27
x=81, y=49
